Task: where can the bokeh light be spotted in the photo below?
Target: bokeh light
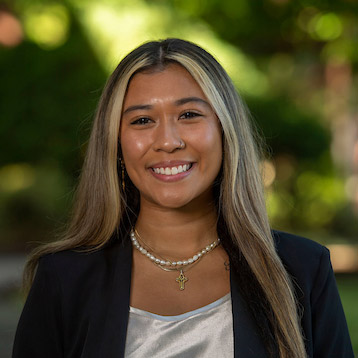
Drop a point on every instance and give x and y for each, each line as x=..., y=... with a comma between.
x=269, y=173
x=47, y=25
x=16, y=177
x=11, y=33
x=325, y=27
x=344, y=257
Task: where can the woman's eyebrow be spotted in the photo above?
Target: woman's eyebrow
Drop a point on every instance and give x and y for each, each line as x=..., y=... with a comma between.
x=137, y=107
x=185, y=100
x=178, y=102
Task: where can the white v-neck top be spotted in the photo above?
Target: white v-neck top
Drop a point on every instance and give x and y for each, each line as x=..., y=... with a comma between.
x=206, y=332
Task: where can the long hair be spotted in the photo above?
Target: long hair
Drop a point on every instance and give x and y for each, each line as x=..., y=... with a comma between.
x=102, y=207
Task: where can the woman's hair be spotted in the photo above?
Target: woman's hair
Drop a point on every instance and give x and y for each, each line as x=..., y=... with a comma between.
x=102, y=207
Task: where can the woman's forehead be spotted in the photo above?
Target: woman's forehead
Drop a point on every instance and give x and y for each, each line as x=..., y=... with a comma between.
x=173, y=82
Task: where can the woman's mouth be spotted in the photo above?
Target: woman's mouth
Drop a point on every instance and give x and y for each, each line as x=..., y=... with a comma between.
x=174, y=170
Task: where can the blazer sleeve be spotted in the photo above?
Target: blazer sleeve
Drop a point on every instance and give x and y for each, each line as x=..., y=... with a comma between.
x=329, y=327
x=39, y=332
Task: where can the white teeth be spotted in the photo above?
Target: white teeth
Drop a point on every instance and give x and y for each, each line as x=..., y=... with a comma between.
x=172, y=170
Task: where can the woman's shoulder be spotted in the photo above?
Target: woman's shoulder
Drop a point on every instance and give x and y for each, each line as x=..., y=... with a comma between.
x=289, y=245
x=304, y=259
x=79, y=261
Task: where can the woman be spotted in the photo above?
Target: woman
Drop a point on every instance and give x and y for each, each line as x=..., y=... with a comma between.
x=169, y=252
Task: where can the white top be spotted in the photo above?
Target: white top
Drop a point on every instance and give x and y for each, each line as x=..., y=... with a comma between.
x=206, y=332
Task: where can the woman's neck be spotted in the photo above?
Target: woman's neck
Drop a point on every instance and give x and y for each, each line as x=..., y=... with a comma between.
x=177, y=233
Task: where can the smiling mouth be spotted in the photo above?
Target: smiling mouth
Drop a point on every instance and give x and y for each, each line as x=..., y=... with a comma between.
x=173, y=170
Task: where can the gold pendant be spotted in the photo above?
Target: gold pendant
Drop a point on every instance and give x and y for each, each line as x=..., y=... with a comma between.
x=181, y=280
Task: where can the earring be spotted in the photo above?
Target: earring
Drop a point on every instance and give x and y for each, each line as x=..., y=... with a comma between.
x=122, y=171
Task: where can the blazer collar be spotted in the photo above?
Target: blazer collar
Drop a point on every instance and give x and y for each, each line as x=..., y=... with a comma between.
x=115, y=308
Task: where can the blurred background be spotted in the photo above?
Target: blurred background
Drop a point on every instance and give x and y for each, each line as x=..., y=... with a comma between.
x=294, y=62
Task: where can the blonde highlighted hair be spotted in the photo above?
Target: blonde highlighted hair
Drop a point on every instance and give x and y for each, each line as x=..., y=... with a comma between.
x=101, y=207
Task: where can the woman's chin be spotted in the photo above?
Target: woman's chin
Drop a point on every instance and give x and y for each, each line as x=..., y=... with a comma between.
x=175, y=200
x=169, y=202
x=173, y=204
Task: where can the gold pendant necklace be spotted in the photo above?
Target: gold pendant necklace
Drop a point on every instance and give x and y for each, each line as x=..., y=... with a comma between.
x=168, y=265
x=181, y=280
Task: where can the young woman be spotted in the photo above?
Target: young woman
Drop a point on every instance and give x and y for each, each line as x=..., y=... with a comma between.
x=169, y=252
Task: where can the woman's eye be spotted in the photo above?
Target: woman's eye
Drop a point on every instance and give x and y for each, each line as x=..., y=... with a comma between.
x=188, y=114
x=141, y=121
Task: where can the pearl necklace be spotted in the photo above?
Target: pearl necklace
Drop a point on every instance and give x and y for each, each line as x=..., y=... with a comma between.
x=168, y=265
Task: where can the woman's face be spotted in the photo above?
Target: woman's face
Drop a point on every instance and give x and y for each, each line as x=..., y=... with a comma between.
x=170, y=138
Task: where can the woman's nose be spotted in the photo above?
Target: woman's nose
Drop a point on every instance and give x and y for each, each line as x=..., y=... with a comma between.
x=167, y=138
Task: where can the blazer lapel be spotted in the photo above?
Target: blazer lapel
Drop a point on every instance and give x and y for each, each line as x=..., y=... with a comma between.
x=247, y=343
x=116, y=305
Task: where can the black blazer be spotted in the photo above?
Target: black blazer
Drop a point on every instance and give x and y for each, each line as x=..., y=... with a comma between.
x=79, y=302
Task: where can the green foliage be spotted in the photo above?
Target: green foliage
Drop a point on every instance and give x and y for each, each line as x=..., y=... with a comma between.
x=348, y=289
x=48, y=101
x=33, y=201
x=289, y=130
